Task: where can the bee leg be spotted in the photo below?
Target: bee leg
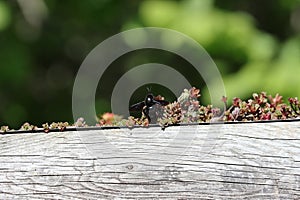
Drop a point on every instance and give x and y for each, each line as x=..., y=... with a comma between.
x=146, y=113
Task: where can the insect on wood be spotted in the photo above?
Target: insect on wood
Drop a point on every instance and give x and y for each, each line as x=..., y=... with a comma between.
x=147, y=104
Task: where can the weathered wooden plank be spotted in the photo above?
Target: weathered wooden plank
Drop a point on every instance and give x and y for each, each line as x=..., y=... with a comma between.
x=232, y=161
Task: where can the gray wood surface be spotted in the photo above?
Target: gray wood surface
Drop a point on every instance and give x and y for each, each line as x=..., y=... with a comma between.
x=232, y=161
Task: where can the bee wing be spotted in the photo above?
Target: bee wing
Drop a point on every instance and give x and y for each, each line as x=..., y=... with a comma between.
x=137, y=107
x=162, y=102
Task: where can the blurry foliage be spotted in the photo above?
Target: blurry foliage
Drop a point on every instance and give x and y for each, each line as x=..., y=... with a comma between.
x=255, y=44
x=4, y=15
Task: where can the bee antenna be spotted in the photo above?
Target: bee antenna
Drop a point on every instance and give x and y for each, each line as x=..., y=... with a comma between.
x=149, y=89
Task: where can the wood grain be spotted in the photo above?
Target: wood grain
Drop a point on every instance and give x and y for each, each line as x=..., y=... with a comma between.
x=232, y=161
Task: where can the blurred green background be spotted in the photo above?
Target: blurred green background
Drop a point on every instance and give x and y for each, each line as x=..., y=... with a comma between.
x=255, y=44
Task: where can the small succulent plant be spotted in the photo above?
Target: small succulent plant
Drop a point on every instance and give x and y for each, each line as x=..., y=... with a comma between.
x=46, y=127
x=172, y=115
x=80, y=122
x=261, y=107
x=190, y=105
x=61, y=126
x=28, y=127
x=4, y=129
x=109, y=119
x=295, y=105
x=187, y=109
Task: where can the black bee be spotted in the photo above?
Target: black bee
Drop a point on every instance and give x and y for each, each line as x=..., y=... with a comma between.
x=147, y=104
